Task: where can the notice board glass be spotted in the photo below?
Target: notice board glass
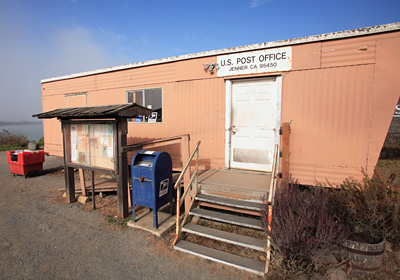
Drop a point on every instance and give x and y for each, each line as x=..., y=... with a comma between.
x=93, y=145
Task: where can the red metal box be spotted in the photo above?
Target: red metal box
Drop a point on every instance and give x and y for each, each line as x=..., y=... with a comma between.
x=25, y=162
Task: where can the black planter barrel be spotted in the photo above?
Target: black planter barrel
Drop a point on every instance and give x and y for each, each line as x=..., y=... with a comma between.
x=364, y=256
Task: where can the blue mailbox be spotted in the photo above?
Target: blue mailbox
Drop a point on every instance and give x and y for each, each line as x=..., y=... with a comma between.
x=151, y=181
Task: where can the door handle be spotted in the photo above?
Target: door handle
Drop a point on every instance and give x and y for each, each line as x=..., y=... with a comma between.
x=233, y=132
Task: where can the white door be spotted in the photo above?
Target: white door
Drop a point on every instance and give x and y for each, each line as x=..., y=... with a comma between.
x=253, y=124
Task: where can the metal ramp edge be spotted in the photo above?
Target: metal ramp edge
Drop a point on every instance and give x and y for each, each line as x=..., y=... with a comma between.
x=227, y=218
x=239, y=262
x=231, y=202
x=227, y=237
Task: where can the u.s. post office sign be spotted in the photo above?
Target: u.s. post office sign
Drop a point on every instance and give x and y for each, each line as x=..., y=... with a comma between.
x=264, y=61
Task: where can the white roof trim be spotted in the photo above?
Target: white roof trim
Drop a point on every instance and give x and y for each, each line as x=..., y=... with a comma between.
x=316, y=38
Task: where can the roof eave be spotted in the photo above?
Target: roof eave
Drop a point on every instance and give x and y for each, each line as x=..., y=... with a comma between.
x=96, y=112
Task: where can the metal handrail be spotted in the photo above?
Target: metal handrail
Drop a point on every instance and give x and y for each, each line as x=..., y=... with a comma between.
x=270, y=203
x=195, y=174
x=167, y=141
x=194, y=178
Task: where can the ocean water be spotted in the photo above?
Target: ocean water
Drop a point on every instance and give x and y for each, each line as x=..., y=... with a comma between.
x=32, y=131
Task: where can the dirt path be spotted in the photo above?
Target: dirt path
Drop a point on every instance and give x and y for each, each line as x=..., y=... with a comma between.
x=40, y=239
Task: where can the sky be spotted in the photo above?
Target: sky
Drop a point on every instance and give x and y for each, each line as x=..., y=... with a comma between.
x=41, y=39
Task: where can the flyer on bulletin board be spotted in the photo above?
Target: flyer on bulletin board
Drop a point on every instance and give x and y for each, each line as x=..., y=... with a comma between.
x=92, y=145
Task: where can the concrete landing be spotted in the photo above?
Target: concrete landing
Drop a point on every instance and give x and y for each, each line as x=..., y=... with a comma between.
x=145, y=222
x=236, y=183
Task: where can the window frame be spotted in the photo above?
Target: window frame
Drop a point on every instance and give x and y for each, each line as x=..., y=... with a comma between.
x=143, y=90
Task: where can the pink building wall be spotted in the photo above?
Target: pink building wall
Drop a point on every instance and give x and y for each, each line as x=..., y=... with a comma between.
x=339, y=95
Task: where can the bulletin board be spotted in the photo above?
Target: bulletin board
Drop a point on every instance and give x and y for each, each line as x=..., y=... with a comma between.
x=93, y=145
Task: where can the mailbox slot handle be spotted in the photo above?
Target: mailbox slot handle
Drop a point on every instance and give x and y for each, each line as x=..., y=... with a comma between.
x=142, y=179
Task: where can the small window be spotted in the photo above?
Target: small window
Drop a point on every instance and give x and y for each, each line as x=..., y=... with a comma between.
x=149, y=98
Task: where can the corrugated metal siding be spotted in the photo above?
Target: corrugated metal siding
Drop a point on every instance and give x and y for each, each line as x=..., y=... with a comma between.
x=75, y=101
x=106, y=97
x=203, y=101
x=138, y=76
x=330, y=109
x=78, y=85
x=386, y=94
x=52, y=128
x=306, y=56
x=193, y=69
x=113, y=80
x=298, y=101
x=344, y=121
x=192, y=107
x=52, y=137
x=348, y=52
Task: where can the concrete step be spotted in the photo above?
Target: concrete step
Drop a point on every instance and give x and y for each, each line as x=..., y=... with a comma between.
x=224, y=236
x=230, y=202
x=236, y=261
x=227, y=218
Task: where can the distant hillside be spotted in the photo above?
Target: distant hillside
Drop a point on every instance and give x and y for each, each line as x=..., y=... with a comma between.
x=19, y=123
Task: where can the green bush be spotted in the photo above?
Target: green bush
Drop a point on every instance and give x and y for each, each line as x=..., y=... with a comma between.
x=370, y=209
x=40, y=143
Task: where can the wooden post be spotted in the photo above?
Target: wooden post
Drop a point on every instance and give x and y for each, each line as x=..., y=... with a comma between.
x=93, y=192
x=185, y=153
x=285, y=150
x=82, y=179
x=122, y=179
x=70, y=184
x=68, y=171
x=129, y=196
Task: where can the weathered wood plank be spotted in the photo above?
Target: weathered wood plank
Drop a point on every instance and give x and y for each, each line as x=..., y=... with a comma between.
x=82, y=180
x=69, y=172
x=122, y=179
x=285, y=149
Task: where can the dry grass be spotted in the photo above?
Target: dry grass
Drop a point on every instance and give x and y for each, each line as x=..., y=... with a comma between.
x=386, y=167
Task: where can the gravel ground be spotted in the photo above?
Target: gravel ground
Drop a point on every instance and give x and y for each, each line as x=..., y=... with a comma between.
x=40, y=239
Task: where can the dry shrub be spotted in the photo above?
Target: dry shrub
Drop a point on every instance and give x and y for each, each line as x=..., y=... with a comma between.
x=370, y=209
x=391, y=147
x=392, y=141
x=302, y=231
x=8, y=138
